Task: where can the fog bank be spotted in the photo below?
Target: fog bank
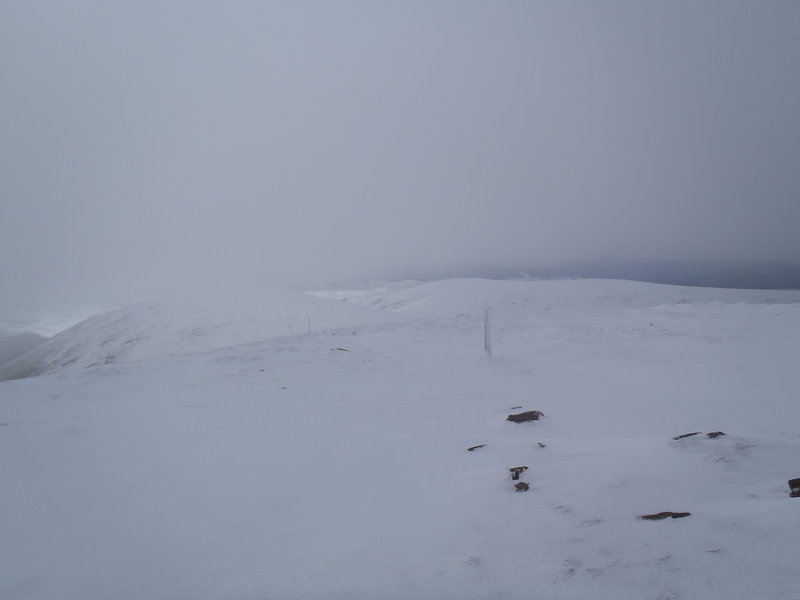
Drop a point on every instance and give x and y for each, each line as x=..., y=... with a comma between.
x=151, y=143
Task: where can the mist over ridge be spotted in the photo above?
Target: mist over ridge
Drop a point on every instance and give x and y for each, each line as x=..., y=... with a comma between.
x=151, y=145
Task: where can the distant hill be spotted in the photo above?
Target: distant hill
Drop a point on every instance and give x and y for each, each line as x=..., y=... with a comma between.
x=738, y=275
x=14, y=346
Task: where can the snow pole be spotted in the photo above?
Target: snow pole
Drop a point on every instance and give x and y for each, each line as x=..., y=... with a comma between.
x=487, y=334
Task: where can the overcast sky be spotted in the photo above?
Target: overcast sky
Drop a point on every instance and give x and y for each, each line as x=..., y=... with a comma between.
x=144, y=142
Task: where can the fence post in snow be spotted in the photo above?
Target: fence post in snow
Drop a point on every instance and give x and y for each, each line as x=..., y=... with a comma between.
x=487, y=334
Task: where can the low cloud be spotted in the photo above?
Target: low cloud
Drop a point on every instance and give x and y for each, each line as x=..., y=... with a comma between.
x=148, y=144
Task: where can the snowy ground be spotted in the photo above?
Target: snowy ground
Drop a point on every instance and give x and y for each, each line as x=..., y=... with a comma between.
x=224, y=453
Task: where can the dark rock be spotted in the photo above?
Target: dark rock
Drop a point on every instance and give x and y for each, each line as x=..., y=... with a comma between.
x=522, y=487
x=685, y=435
x=476, y=447
x=515, y=407
x=715, y=434
x=531, y=415
x=794, y=487
x=516, y=471
x=664, y=515
x=541, y=445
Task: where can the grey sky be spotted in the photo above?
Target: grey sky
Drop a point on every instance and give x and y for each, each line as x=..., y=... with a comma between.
x=151, y=141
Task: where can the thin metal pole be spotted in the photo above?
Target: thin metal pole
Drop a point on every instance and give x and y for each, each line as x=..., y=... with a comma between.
x=487, y=333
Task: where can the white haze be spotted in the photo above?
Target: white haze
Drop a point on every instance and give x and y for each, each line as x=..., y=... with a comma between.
x=147, y=143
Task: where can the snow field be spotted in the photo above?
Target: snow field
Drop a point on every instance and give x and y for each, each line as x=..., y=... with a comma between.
x=284, y=468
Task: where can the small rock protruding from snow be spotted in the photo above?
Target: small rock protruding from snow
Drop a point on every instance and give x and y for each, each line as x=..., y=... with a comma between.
x=712, y=435
x=522, y=487
x=664, y=515
x=470, y=449
x=685, y=435
x=517, y=471
x=530, y=415
x=794, y=488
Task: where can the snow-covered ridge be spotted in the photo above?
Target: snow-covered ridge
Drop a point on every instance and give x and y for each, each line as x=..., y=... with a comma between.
x=186, y=324
x=206, y=321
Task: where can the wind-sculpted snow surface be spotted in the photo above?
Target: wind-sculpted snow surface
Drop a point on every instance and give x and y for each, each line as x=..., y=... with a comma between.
x=336, y=465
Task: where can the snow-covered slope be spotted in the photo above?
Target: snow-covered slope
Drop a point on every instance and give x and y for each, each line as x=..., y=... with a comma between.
x=467, y=296
x=186, y=324
x=336, y=466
